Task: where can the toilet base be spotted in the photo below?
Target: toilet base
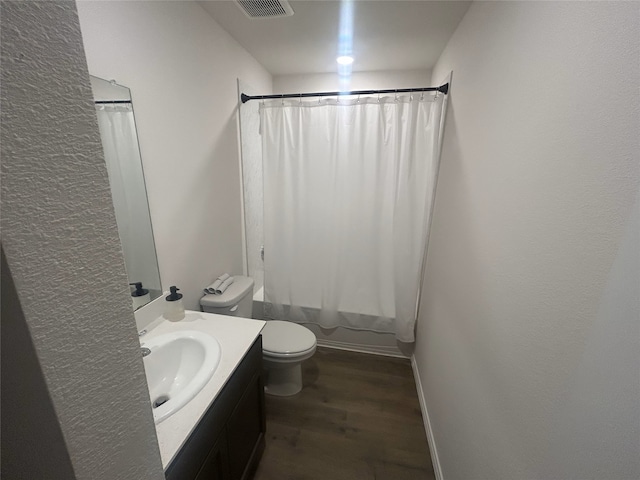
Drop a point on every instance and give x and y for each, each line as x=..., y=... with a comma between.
x=283, y=380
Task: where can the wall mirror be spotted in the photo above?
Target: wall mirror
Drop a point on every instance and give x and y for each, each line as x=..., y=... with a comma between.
x=117, y=125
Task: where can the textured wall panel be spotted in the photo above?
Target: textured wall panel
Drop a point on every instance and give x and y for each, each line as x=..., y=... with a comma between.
x=61, y=243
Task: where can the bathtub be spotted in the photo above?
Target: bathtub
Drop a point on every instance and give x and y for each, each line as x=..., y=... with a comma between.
x=345, y=338
x=258, y=301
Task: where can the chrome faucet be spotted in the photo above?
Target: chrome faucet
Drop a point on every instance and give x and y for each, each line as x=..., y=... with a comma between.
x=145, y=351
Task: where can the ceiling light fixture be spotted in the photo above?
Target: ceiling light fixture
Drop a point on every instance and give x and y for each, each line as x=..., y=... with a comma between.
x=344, y=60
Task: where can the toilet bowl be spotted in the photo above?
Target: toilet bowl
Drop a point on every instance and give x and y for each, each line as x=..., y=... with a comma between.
x=285, y=346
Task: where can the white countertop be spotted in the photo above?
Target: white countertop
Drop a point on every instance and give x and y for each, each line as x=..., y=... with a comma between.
x=235, y=335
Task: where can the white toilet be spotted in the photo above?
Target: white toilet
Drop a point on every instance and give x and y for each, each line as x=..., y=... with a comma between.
x=285, y=345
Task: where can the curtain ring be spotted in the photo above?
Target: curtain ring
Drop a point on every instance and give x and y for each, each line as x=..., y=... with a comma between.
x=396, y=95
x=378, y=97
x=282, y=99
x=358, y=101
x=422, y=96
x=300, y=100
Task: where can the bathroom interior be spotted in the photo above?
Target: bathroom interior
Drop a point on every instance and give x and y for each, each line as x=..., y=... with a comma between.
x=512, y=271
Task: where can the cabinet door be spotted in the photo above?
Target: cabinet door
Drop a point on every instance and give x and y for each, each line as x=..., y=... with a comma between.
x=216, y=466
x=245, y=430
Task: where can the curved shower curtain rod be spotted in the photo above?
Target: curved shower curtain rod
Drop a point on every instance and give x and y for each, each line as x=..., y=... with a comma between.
x=442, y=89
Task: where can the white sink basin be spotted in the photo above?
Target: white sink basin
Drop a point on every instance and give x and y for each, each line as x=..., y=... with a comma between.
x=179, y=365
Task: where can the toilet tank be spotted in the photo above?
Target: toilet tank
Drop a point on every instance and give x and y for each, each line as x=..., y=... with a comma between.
x=237, y=300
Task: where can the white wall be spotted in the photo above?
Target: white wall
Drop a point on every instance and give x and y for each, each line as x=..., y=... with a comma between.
x=528, y=341
x=182, y=69
x=330, y=82
x=71, y=329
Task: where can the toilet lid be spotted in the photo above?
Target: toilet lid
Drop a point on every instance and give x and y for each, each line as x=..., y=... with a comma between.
x=286, y=337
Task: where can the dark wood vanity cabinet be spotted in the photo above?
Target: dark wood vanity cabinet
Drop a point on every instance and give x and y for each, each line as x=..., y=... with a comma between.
x=216, y=465
x=229, y=440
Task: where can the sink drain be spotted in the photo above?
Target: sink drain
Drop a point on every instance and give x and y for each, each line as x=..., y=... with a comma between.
x=162, y=399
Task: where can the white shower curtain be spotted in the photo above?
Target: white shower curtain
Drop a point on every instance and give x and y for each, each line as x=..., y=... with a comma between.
x=126, y=178
x=348, y=191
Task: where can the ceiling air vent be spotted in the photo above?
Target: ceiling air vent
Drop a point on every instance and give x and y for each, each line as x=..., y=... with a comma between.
x=265, y=8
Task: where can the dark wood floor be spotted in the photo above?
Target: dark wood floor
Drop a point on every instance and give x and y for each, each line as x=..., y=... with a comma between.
x=357, y=418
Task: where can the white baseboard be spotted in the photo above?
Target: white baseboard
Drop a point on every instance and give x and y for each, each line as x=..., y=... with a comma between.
x=384, y=350
x=427, y=422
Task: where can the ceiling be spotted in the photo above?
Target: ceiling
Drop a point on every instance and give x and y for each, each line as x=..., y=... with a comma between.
x=387, y=34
